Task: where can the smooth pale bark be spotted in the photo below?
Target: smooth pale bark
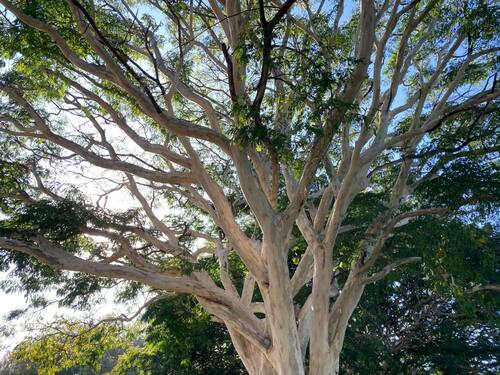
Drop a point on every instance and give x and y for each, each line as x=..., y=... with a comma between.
x=255, y=361
x=280, y=314
x=320, y=351
x=339, y=317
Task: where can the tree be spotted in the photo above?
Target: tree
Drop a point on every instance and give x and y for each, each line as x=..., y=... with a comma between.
x=291, y=135
x=415, y=322
x=180, y=338
x=72, y=347
x=9, y=367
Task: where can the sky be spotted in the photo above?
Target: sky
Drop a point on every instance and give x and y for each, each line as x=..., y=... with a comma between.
x=8, y=302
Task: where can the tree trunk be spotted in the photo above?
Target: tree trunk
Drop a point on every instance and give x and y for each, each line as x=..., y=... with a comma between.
x=285, y=357
x=285, y=353
x=254, y=360
x=341, y=312
x=320, y=362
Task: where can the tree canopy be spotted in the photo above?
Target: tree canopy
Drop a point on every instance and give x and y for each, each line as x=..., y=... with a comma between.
x=274, y=161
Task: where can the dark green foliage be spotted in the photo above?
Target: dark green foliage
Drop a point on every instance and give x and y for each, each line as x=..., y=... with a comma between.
x=465, y=182
x=186, y=341
x=404, y=327
x=58, y=221
x=424, y=317
x=12, y=177
x=62, y=222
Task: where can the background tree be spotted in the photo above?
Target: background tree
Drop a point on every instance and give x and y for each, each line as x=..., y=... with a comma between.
x=180, y=338
x=299, y=137
x=420, y=321
x=71, y=347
